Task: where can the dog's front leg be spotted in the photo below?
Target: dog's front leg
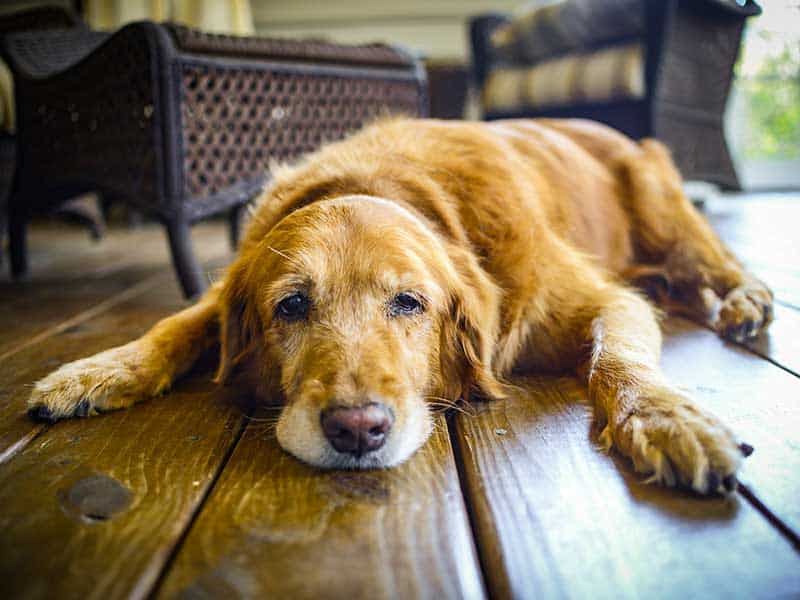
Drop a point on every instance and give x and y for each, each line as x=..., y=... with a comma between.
x=121, y=376
x=664, y=433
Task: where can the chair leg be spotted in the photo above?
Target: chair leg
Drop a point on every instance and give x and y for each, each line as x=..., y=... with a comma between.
x=235, y=218
x=17, y=241
x=188, y=269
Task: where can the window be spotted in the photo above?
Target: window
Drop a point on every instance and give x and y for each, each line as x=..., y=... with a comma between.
x=763, y=118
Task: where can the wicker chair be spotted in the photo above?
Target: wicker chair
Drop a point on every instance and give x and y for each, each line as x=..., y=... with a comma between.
x=38, y=19
x=181, y=123
x=690, y=47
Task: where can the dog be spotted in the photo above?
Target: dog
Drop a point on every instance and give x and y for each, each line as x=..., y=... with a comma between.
x=420, y=261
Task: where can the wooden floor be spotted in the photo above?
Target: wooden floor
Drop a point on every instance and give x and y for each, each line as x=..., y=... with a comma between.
x=187, y=496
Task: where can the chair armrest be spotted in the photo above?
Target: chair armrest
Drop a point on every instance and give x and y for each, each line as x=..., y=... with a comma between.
x=39, y=54
x=480, y=30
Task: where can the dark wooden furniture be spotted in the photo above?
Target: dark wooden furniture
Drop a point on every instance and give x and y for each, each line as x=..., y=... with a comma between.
x=690, y=49
x=187, y=496
x=448, y=84
x=181, y=123
x=32, y=20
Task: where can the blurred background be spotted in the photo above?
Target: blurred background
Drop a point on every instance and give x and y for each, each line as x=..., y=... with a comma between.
x=762, y=120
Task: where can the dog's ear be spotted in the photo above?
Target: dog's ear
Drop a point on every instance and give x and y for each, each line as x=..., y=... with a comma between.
x=240, y=325
x=470, y=329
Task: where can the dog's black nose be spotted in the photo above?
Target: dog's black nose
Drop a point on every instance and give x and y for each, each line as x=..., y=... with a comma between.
x=357, y=430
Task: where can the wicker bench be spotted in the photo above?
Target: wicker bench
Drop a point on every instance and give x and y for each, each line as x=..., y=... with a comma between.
x=181, y=123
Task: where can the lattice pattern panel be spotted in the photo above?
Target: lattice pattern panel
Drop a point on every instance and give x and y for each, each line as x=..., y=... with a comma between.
x=235, y=120
x=96, y=123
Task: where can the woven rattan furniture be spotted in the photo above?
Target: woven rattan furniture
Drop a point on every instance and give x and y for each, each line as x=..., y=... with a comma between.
x=181, y=123
x=690, y=47
x=30, y=20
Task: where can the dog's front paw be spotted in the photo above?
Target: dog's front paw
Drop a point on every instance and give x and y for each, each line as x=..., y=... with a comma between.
x=745, y=312
x=676, y=443
x=86, y=387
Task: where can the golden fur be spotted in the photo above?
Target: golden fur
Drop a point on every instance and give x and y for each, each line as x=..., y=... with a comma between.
x=517, y=237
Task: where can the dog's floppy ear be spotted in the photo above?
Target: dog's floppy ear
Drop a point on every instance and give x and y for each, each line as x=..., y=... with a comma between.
x=240, y=325
x=470, y=328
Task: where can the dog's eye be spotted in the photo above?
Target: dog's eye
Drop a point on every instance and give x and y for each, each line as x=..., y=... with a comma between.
x=405, y=304
x=294, y=307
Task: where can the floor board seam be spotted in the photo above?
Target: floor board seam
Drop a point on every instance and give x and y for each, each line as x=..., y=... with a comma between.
x=774, y=519
x=759, y=354
x=743, y=346
x=787, y=304
x=87, y=314
x=173, y=554
x=22, y=443
x=458, y=457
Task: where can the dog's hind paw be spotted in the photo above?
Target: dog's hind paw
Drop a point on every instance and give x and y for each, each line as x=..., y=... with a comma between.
x=745, y=312
x=87, y=387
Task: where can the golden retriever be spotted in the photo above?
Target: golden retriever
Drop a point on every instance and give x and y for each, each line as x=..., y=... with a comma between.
x=423, y=259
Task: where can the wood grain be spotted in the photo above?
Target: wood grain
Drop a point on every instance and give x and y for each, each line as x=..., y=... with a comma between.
x=93, y=507
x=554, y=516
x=781, y=342
x=69, y=275
x=116, y=325
x=52, y=322
x=759, y=401
x=276, y=528
x=762, y=232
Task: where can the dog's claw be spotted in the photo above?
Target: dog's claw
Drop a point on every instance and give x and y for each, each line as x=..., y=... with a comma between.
x=713, y=482
x=746, y=449
x=82, y=410
x=729, y=483
x=42, y=413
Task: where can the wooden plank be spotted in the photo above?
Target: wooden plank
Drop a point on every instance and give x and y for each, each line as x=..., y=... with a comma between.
x=46, y=330
x=762, y=231
x=91, y=332
x=117, y=325
x=276, y=528
x=69, y=275
x=781, y=343
x=92, y=508
x=758, y=400
x=555, y=516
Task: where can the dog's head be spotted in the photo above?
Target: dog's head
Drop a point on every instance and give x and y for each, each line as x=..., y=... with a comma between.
x=360, y=317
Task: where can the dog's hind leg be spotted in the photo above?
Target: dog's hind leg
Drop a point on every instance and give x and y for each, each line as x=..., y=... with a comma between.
x=121, y=376
x=701, y=277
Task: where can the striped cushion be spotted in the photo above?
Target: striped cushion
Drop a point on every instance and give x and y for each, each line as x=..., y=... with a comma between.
x=7, y=119
x=610, y=74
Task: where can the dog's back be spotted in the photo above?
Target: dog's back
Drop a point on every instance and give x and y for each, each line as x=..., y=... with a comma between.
x=504, y=188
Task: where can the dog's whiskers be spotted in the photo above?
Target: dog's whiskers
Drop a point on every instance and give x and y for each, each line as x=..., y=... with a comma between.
x=446, y=404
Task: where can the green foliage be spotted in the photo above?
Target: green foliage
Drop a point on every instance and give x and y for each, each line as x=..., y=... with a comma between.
x=772, y=98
